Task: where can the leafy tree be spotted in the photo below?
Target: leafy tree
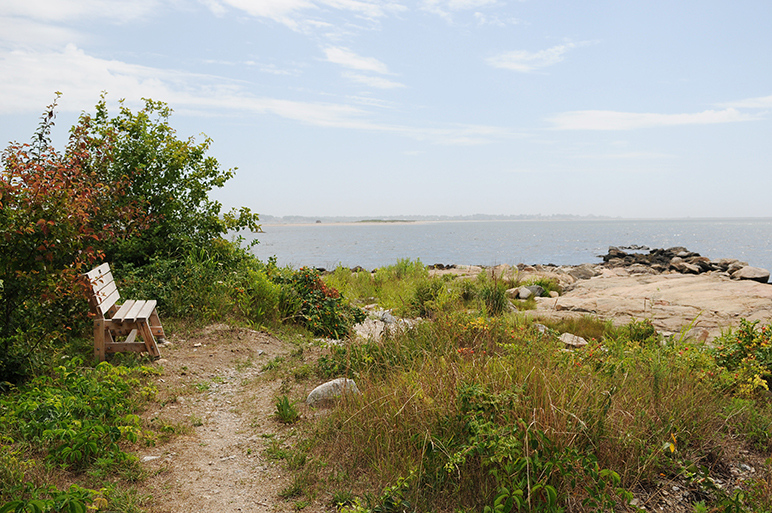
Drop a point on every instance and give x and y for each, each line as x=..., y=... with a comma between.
x=52, y=226
x=168, y=178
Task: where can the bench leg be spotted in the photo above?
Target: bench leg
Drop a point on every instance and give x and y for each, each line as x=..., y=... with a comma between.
x=147, y=336
x=156, y=327
x=99, y=340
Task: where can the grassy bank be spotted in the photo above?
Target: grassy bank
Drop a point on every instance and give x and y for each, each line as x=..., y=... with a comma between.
x=476, y=408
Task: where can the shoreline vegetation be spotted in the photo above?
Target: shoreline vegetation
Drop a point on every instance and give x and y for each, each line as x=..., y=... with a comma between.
x=469, y=398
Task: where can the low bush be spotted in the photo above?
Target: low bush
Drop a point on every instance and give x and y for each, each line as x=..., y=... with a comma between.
x=322, y=309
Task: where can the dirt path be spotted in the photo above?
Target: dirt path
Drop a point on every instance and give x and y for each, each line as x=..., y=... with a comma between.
x=214, y=392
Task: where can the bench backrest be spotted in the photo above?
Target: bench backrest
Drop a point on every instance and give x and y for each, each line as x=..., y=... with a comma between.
x=103, y=294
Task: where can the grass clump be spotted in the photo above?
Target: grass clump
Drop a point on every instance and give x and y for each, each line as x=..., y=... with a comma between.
x=286, y=411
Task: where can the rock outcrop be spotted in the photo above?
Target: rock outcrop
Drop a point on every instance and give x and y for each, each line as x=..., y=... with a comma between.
x=681, y=260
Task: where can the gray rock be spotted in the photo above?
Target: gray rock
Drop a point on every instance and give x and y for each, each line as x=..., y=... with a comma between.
x=678, y=264
x=752, y=273
x=331, y=390
x=536, y=290
x=524, y=293
x=387, y=318
x=572, y=340
x=583, y=272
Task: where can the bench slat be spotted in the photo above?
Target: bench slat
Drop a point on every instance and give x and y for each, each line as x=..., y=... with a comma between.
x=98, y=271
x=133, y=314
x=120, y=315
x=147, y=309
x=102, y=290
x=108, y=302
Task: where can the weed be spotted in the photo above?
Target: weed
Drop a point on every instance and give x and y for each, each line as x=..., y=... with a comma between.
x=303, y=372
x=202, y=386
x=342, y=498
x=294, y=489
x=273, y=364
x=286, y=411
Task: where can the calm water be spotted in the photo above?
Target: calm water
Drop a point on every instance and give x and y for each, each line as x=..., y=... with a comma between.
x=372, y=245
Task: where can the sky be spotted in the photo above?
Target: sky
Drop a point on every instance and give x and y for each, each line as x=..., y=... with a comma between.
x=375, y=108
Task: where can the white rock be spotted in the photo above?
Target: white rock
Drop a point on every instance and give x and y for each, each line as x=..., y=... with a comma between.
x=572, y=340
x=332, y=389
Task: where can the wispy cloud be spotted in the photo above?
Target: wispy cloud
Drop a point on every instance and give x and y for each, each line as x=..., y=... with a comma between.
x=444, y=8
x=377, y=82
x=525, y=61
x=634, y=155
x=28, y=80
x=28, y=33
x=762, y=102
x=349, y=59
x=494, y=20
x=612, y=120
x=291, y=12
x=64, y=10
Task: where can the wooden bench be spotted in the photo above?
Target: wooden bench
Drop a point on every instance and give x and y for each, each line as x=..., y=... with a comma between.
x=130, y=319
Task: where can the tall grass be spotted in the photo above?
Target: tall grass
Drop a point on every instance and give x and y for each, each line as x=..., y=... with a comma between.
x=456, y=406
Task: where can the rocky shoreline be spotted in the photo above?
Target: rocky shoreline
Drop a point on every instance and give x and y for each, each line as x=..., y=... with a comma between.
x=676, y=289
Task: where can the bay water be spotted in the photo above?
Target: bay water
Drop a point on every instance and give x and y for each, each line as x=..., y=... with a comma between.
x=570, y=242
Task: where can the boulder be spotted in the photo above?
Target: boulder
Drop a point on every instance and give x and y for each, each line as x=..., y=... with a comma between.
x=331, y=390
x=583, y=272
x=678, y=264
x=524, y=293
x=572, y=340
x=536, y=290
x=752, y=273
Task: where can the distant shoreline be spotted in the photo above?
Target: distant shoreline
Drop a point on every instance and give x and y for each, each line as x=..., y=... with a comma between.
x=386, y=221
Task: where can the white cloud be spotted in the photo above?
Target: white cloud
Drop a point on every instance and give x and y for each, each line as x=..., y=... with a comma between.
x=28, y=81
x=524, y=61
x=288, y=12
x=483, y=19
x=64, y=10
x=20, y=31
x=349, y=59
x=377, y=82
x=611, y=120
x=443, y=8
x=635, y=155
x=762, y=102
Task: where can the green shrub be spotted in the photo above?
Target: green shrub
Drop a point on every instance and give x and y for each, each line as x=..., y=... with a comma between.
x=260, y=298
x=642, y=332
x=425, y=295
x=746, y=353
x=322, y=309
x=78, y=416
